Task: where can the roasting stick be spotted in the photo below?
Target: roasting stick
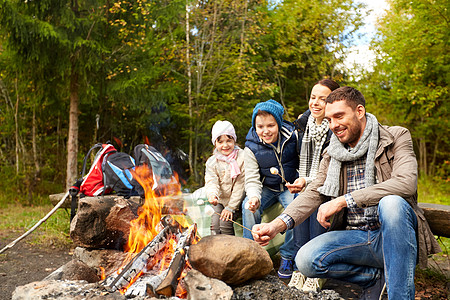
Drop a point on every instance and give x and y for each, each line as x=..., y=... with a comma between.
x=274, y=171
x=10, y=245
x=210, y=211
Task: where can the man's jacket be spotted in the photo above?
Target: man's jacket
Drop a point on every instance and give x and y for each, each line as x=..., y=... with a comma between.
x=396, y=170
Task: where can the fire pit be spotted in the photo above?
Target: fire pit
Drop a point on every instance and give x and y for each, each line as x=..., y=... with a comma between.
x=155, y=262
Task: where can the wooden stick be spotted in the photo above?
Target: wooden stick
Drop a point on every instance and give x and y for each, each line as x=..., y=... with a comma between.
x=10, y=245
x=237, y=223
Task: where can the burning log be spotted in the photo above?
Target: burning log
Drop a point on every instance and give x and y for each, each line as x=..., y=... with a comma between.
x=169, y=285
x=139, y=262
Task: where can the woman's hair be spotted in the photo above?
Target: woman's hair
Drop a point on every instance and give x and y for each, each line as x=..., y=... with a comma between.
x=331, y=84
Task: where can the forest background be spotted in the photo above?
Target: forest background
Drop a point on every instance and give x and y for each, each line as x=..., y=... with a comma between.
x=74, y=73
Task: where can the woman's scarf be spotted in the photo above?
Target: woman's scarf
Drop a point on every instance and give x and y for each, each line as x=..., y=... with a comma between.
x=310, y=151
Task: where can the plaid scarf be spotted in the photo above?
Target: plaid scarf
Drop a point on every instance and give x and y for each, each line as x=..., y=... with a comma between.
x=368, y=143
x=312, y=142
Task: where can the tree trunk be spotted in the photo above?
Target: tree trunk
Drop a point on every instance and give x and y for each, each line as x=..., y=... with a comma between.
x=189, y=91
x=72, y=141
x=244, y=18
x=37, y=168
x=16, y=123
x=423, y=156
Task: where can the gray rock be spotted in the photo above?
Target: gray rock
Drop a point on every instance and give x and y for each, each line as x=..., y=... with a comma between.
x=75, y=270
x=110, y=260
x=102, y=222
x=200, y=287
x=231, y=259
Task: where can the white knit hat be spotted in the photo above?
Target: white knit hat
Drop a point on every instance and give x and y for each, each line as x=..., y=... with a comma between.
x=221, y=128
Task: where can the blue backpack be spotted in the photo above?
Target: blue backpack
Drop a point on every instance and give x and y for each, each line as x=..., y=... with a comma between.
x=117, y=175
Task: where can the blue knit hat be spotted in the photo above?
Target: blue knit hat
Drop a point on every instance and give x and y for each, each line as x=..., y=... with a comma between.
x=272, y=107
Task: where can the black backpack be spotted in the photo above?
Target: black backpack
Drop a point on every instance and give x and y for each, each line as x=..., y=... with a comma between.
x=117, y=175
x=148, y=155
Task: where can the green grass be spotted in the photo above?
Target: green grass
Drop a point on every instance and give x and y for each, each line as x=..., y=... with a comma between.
x=433, y=190
x=17, y=219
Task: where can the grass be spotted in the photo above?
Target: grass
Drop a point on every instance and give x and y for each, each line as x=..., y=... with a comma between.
x=433, y=190
x=17, y=219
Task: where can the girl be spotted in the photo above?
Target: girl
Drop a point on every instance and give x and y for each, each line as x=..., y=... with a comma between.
x=224, y=178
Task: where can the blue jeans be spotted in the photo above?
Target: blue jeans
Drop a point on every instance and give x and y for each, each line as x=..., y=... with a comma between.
x=268, y=198
x=307, y=230
x=360, y=256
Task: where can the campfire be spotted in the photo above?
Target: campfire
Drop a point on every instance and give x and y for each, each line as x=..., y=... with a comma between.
x=157, y=246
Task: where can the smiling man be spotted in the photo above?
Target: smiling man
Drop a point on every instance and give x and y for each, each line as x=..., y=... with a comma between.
x=271, y=143
x=366, y=191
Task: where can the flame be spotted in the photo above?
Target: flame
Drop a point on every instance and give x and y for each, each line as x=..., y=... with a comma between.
x=102, y=274
x=146, y=226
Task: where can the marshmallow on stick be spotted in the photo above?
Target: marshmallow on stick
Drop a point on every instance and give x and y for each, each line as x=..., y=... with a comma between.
x=274, y=171
x=210, y=211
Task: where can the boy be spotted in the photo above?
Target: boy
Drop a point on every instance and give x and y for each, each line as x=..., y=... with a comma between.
x=271, y=160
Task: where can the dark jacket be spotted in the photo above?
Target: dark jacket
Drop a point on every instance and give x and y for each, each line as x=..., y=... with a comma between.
x=286, y=161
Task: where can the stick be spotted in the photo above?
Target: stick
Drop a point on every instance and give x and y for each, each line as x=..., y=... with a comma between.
x=236, y=223
x=10, y=245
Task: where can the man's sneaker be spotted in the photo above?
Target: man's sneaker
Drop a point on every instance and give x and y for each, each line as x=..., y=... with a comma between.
x=313, y=285
x=375, y=291
x=286, y=268
x=297, y=280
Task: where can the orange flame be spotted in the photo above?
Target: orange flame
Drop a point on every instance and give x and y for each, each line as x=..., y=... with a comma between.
x=102, y=275
x=144, y=228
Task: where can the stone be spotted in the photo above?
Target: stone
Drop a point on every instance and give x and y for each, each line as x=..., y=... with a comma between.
x=62, y=290
x=74, y=270
x=102, y=222
x=110, y=260
x=231, y=259
x=200, y=287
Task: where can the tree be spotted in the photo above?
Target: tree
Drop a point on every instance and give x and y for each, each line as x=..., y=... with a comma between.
x=410, y=82
x=303, y=42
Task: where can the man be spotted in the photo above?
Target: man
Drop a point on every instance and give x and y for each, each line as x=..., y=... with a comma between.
x=369, y=172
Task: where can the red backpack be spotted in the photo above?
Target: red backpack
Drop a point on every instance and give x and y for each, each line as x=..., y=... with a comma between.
x=93, y=184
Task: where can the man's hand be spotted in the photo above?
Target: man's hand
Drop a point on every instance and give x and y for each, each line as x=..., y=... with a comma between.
x=212, y=200
x=328, y=209
x=226, y=215
x=253, y=204
x=298, y=185
x=263, y=233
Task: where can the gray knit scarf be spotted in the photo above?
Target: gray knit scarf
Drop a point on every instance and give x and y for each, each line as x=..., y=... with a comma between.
x=310, y=151
x=367, y=144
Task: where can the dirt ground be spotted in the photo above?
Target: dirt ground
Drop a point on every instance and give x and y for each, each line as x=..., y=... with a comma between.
x=25, y=263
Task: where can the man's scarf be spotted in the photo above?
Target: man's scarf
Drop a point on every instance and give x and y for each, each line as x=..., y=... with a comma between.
x=312, y=142
x=339, y=153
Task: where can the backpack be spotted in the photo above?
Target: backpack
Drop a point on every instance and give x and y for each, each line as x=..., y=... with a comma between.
x=92, y=184
x=117, y=175
x=148, y=155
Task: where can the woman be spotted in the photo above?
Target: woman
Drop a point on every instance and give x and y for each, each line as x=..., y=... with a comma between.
x=314, y=136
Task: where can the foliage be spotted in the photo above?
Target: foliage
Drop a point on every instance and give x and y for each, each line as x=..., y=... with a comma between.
x=164, y=71
x=410, y=82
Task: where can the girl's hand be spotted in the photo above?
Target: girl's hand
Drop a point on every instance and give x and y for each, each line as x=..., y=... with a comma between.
x=212, y=200
x=226, y=215
x=298, y=185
